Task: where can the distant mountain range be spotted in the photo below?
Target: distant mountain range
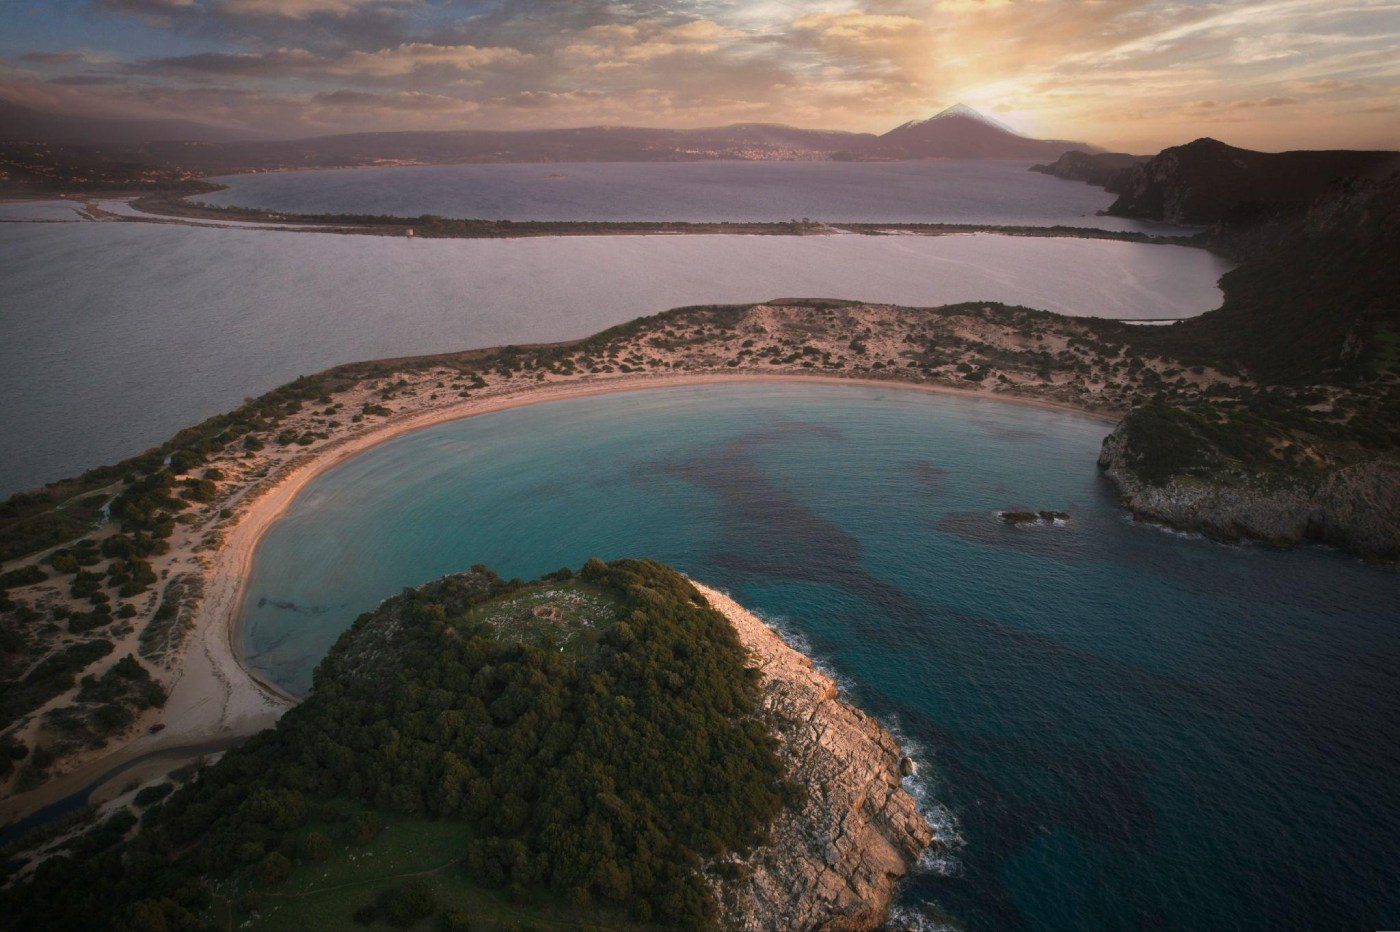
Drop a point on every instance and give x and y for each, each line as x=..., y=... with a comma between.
x=958, y=132
x=19, y=123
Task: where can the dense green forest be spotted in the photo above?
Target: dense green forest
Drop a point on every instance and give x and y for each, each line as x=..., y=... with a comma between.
x=596, y=737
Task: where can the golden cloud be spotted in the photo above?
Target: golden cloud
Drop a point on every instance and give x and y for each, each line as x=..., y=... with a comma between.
x=301, y=9
x=617, y=45
x=409, y=57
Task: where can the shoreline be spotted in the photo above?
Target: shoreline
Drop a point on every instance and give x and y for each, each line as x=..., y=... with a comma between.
x=259, y=520
x=173, y=207
x=837, y=861
x=249, y=464
x=269, y=508
x=214, y=664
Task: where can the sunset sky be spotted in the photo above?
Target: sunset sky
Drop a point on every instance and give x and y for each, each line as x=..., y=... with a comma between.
x=1127, y=74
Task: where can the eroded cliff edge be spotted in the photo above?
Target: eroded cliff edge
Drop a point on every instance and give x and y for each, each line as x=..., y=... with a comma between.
x=835, y=861
x=1355, y=507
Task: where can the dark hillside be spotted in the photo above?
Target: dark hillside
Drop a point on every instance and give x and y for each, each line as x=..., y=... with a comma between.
x=1208, y=182
x=1316, y=295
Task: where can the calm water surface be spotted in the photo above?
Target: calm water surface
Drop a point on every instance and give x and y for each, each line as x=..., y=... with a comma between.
x=987, y=191
x=1121, y=728
x=114, y=336
x=39, y=210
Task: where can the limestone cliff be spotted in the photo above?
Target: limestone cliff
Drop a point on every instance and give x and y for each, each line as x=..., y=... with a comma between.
x=834, y=863
x=1355, y=507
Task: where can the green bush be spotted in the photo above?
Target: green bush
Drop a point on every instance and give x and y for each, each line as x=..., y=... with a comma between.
x=455, y=920
x=274, y=868
x=405, y=905
x=24, y=576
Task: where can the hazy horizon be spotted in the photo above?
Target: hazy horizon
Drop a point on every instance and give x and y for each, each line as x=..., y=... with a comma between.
x=1134, y=75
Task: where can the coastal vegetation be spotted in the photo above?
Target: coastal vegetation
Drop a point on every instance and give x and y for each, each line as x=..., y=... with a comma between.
x=175, y=205
x=1310, y=325
x=593, y=740
x=166, y=206
x=39, y=167
x=1283, y=401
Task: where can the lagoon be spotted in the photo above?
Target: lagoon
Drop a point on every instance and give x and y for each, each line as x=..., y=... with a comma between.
x=986, y=191
x=113, y=336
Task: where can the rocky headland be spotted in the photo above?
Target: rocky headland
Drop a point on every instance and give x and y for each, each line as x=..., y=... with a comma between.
x=834, y=862
x=1107, y=170
x=1355, y=507
x=613, y=747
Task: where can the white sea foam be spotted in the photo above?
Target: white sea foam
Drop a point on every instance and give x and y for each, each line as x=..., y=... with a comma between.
x=940, y=858
x=919, y=918
x=799, y=641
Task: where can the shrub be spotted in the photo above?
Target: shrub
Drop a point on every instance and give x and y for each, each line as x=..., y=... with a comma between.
x=455, y=919
x=405, y=905
x=315, y=847
x=274, y=868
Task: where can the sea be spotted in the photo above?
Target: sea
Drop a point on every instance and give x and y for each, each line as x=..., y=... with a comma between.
x=1116, y=727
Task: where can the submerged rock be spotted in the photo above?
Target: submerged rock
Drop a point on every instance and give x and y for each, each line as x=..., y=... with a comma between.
x=1044, y=516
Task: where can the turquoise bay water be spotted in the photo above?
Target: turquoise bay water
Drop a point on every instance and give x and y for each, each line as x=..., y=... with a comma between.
x=1120, y=727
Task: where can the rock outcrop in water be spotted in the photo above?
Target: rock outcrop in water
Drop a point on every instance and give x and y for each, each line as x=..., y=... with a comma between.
x=1356, y=507
x=834, y=863
x=1019, y=518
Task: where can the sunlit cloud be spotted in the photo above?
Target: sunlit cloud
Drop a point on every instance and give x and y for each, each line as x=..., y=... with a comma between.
x=301, y=9
x=1129, y=74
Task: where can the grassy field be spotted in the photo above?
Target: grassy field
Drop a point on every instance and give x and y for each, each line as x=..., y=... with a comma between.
x=326, y=895
x=568, y=614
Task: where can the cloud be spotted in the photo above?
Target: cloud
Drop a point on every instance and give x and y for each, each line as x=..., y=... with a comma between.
x=1330, y=86
x=546, y=100
x=1247, y=104
x=859, y=26
x=243, y=64
x=403, y=100
x=302, y=9
x=969, y=6
x=155, y=12
x=52, y=58
x=409, y=57
x=1133, y=74
x=402, y=61
x=85, y=80
x=621, y=45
